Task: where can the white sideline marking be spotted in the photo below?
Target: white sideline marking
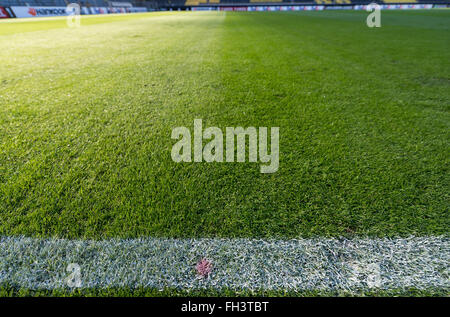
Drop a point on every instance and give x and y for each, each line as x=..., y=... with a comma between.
x=304, y=264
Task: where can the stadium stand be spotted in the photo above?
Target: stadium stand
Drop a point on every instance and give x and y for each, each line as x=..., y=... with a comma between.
x=259, y=1
x=292, y=2
x=186, y=4
x=400, y=1
x=58, y=3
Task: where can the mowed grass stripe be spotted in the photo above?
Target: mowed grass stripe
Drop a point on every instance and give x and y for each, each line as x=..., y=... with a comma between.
x=350, y=265
x=86, y=146
x=103, y=120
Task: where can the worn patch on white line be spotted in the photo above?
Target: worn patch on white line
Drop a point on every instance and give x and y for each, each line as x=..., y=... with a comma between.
x=241, y=264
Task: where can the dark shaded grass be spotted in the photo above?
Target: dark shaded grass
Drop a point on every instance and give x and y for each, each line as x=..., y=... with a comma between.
x=10, y=291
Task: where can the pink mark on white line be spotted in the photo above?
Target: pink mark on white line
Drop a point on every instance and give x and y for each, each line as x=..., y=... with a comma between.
x=204, y=267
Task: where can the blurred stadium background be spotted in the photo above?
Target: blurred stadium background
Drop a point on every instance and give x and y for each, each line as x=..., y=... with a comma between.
x=27, y=8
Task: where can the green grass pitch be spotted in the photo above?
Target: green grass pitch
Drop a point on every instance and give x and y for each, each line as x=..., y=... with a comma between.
x=86, y=116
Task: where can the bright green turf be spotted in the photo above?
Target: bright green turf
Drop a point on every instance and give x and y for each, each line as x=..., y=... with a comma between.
x=31, y=25
x=86, y=116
